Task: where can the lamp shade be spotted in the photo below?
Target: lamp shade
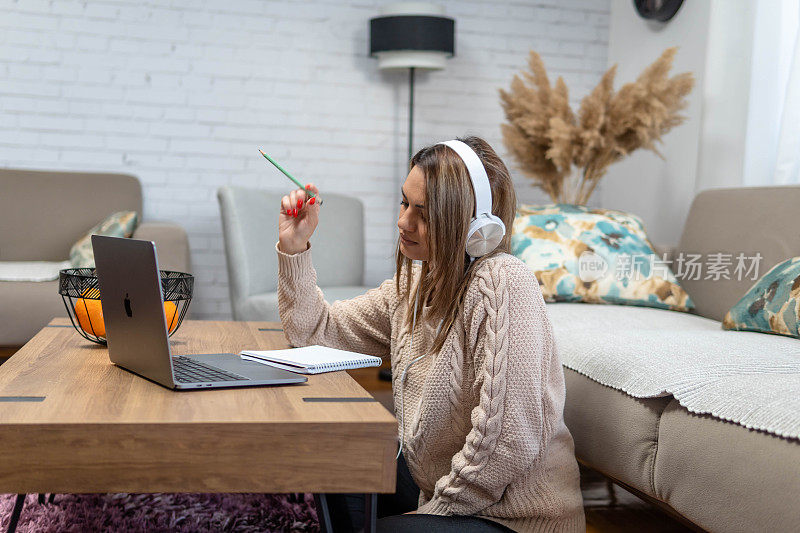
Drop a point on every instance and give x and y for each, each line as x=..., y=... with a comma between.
x=411, y=34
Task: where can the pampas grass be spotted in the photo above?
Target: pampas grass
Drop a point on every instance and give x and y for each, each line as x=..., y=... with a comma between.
x=549, y=140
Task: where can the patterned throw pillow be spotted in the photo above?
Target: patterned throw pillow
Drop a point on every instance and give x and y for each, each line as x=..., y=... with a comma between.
x=580, y=254
x=120, y=224
x=772, y=305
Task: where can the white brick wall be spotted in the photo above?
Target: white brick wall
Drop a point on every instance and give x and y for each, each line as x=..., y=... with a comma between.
x=181, y=94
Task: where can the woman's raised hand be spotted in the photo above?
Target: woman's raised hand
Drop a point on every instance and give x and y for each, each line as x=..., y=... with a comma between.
x=297, y=220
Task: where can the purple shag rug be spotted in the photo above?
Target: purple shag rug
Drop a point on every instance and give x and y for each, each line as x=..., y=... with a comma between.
x=164, y=512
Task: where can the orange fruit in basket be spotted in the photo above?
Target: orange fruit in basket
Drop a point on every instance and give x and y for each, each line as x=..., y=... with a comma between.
x=89, y=313
x=171, y=314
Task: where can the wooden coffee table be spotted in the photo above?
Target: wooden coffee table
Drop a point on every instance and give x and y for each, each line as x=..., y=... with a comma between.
x=72, y=422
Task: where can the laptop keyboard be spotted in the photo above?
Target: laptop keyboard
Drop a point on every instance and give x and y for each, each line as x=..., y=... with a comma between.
x=189, y=370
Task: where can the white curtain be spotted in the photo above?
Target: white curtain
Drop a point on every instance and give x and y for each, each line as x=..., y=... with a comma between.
x=772, y=147
x=787, y=164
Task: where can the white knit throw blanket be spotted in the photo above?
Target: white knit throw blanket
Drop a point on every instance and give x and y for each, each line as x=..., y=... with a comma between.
x=31, y=270
x=752, y=379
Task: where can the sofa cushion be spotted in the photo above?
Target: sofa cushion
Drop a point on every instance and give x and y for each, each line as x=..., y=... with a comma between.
x=724, y=477
x=56, y=208
x=753, y=221
x=580, y=254
x=614, y=433
x=772, y=305
x=119, y=224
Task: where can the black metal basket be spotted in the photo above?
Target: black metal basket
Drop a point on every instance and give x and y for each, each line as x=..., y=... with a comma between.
x=80, y=292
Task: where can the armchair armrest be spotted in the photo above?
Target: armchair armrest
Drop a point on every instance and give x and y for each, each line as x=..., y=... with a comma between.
x=172, y=244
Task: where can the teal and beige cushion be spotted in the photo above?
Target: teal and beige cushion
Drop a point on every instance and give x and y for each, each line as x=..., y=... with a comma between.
x=592, y=255
x=120, y=224
x=772, y=305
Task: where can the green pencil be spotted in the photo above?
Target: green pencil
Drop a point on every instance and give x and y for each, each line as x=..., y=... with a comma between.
x=311, y=194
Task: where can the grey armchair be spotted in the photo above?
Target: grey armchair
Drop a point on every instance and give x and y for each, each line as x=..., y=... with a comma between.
x=250, y=231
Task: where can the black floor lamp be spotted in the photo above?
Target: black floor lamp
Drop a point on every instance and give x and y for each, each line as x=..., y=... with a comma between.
x=412, y=35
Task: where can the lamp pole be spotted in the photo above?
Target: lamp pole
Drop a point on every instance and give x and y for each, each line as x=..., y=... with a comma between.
x=410, y=113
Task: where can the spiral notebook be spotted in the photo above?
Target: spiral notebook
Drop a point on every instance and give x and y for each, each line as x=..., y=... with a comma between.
x=311, y=359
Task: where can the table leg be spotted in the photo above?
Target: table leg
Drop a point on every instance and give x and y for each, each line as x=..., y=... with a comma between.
x=370, y=513
x=12, y=524
x=323, y=515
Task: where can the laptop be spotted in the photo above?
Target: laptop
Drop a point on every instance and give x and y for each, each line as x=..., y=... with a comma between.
x=136, y=327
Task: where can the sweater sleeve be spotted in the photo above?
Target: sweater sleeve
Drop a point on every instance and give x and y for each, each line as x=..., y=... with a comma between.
x=508, y=424
x=361, y=324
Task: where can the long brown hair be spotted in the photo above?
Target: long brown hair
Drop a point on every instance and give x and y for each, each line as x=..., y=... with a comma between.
x=449, y=207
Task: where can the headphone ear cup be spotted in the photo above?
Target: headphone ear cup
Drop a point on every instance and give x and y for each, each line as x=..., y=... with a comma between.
x=484, y=235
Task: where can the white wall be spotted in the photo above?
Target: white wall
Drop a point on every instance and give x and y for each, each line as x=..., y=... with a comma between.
x=659, y=190
x=181, y=94
x=715, y=146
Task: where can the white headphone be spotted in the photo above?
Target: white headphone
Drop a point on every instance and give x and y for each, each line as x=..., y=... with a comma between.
x=485, y=230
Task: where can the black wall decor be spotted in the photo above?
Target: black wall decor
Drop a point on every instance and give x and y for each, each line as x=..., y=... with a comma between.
x=660, y=10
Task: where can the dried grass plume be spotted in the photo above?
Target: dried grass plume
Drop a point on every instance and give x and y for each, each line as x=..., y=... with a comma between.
x=547, y=138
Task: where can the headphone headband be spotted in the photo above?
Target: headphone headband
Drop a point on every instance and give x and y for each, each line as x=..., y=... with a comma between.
x=477, y=174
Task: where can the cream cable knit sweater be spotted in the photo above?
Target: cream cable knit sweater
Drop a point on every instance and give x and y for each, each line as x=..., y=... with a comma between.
x=483, y=428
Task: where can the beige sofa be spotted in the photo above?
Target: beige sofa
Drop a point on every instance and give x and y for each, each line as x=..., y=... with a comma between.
x=42, y=214
x=717, y=475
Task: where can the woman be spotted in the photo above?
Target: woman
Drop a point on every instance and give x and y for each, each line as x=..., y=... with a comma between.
x=477, y=382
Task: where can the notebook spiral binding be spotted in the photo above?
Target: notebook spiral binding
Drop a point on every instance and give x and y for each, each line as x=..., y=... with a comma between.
x=342, y=366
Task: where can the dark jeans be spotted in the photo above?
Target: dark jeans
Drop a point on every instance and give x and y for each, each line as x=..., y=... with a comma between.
x=347, y=512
